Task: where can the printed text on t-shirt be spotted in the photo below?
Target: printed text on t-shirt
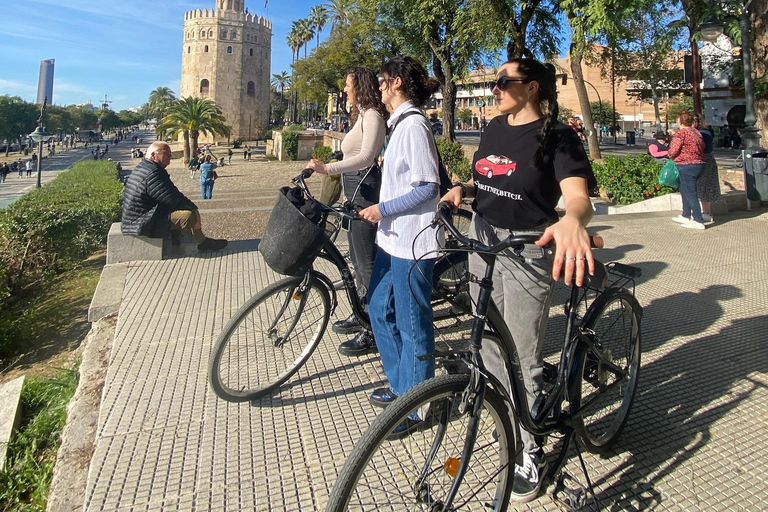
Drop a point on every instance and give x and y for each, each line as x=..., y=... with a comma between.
x=499, y=192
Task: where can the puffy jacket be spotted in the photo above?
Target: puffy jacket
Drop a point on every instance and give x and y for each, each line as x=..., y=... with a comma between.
x=148, y=200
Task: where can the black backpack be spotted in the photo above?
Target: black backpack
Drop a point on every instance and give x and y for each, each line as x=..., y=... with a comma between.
x=445, y=180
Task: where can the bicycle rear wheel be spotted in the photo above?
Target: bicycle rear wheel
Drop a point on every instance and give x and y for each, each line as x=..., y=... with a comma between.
x=269, y=338
x=609, y=373
x=415, y=472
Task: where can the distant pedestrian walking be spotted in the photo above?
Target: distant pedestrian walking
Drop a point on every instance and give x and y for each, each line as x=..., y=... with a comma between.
x=207, y=175
x=229, y=156
x=29, y=169
x=245, y=152
x=249, y=153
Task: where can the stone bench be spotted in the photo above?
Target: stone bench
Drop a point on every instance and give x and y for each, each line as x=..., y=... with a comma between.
x=121, y=248
x=10, y=413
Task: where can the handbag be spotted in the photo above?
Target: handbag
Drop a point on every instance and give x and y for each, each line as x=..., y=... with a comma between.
x=669, y=175
x=215, y=175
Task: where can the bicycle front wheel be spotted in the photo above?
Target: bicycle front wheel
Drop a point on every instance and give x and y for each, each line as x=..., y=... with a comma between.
x=609, y=372
x=269, y=338
x=417, y=471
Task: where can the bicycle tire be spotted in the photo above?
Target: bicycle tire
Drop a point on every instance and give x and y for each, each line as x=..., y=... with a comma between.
x=603, y=401
x=249, y=362
x=379, y=469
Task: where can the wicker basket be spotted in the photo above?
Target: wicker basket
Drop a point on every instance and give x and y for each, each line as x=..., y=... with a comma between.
x=291, y=241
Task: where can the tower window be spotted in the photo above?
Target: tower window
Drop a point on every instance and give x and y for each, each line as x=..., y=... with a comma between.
x=204, y=87
x=229, y=49
x=223, y=34
x=251, y=89
x=202, y=34
x=251, y=52
x=189, y=49
x=210, y=33
x=233, y=35
x=206, y=48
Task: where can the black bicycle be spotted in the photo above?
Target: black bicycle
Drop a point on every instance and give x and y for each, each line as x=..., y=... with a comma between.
x=274, y=333
x=461, y=453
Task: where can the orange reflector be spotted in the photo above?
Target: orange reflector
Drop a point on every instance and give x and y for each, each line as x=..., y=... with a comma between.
x=297, y=296
x=452, y=466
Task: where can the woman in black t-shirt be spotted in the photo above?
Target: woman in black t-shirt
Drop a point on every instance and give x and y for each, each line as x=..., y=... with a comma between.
x=525, y=162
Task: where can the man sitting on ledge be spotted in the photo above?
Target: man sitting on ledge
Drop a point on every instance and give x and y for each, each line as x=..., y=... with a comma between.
x=153, y=206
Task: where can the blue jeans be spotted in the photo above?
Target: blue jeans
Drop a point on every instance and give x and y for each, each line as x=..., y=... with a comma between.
x=207, y=188
x=689, y=175
x=401, y=318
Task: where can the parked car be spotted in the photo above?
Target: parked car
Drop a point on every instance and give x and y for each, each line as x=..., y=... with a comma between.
x=437, y=128
x=494, y=165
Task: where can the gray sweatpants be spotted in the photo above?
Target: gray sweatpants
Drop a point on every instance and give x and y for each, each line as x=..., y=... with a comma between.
x=522, y=291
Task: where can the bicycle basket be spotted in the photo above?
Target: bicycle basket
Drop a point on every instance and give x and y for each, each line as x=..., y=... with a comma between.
x=291, y=241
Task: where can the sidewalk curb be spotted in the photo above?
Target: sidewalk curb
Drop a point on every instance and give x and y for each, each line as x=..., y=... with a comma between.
x=78, y=440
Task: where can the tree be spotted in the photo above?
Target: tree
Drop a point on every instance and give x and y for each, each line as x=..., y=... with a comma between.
x=281, y=81
x=679, y=104
x=603, y=113
x=318, y=17
x=17, y=119
x=160, y=101
x=83, y=118
x=339, y=12
x=464, y=115
x=305, y=33
x=531, y=28
x=59, y=120
x=108, y=119
x=192, y=116
x=128, y=118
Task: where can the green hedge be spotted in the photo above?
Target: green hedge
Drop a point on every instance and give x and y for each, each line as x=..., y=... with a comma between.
x=629, y=179
x=322, y=153
x=50, y=229
x=454, y=159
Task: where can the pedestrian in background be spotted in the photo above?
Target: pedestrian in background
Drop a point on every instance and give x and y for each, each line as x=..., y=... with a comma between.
x=207, y=177
x=229, y=156
x=687, y=150
x=194, y=163
x=708, y=186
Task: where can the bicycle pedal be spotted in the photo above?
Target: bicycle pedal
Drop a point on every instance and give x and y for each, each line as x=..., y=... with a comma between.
x=569, y=494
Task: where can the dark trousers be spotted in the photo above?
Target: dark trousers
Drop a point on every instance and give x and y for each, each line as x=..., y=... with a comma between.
x=362, y=234
x=689, y=175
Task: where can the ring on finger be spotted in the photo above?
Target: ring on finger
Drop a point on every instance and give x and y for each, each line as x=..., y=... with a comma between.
x=580, y=259
x=570, y=258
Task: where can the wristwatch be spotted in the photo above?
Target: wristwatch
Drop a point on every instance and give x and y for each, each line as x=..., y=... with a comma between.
x=463, y=188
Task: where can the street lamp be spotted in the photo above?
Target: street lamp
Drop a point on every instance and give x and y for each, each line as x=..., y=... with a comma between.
x=39, y=136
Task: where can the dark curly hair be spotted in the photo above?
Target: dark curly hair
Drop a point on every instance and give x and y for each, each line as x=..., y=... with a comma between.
x=544, y=74
x=418, y=86
x=367, y=93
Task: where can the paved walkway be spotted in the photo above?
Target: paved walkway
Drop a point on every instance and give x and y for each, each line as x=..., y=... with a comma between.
x=696, y=438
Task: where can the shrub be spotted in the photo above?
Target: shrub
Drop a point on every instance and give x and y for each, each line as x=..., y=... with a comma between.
x=322, y=153
x=454, y=159
x=49, y=229
x=291, y=143
x=629, y=179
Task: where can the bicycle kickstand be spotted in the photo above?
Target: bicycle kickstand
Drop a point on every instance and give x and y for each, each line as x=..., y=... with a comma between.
x=570, y=495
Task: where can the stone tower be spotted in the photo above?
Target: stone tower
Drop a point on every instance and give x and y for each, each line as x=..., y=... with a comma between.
x=226, y=58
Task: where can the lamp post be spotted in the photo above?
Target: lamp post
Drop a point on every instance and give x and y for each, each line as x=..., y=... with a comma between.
x=39, y=136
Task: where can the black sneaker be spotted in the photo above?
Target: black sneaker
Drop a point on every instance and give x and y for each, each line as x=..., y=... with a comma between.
x=528, y=478
x=362, y=344
x=212, y=244
x=349, y=325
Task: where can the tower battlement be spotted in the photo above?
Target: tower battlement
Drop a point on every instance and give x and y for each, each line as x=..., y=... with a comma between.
x=250, y=20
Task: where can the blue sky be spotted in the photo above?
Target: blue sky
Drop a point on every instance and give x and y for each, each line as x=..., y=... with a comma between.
x=122, y=49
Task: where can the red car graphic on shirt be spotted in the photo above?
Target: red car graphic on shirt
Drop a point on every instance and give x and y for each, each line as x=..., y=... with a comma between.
x=493, y=165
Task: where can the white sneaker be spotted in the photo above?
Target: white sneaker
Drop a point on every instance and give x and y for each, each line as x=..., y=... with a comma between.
x=707, y=217
x=528, y=478
x=680, y=219
x=692, y=224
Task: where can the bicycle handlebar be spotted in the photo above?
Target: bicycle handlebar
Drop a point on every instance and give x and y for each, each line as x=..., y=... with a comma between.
x=444, y=216
x=346, y=210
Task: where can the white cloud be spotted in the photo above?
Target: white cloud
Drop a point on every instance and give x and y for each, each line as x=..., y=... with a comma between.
x=16, y=87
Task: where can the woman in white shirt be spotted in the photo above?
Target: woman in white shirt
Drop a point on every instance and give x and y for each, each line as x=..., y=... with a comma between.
x=362, y=180
x=399, y=297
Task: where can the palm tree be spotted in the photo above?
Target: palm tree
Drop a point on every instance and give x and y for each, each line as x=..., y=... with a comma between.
x=306, y=33
x=282, y=80
x=191, y=116
x=318, y=17
x=160, y=100
x=294, y=40
x=339, y=12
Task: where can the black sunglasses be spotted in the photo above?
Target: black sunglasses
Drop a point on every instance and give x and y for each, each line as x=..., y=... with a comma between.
x=502, y=81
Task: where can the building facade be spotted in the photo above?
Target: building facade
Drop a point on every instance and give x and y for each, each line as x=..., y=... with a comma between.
x=45, y=82
x=226, y=58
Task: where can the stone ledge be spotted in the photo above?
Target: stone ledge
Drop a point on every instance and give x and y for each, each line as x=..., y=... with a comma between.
x=109, y=292
x=121, y=248
x=10, y=413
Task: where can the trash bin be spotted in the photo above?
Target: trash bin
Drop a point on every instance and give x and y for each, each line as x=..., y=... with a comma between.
x=756, y=174
x=630, y=137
